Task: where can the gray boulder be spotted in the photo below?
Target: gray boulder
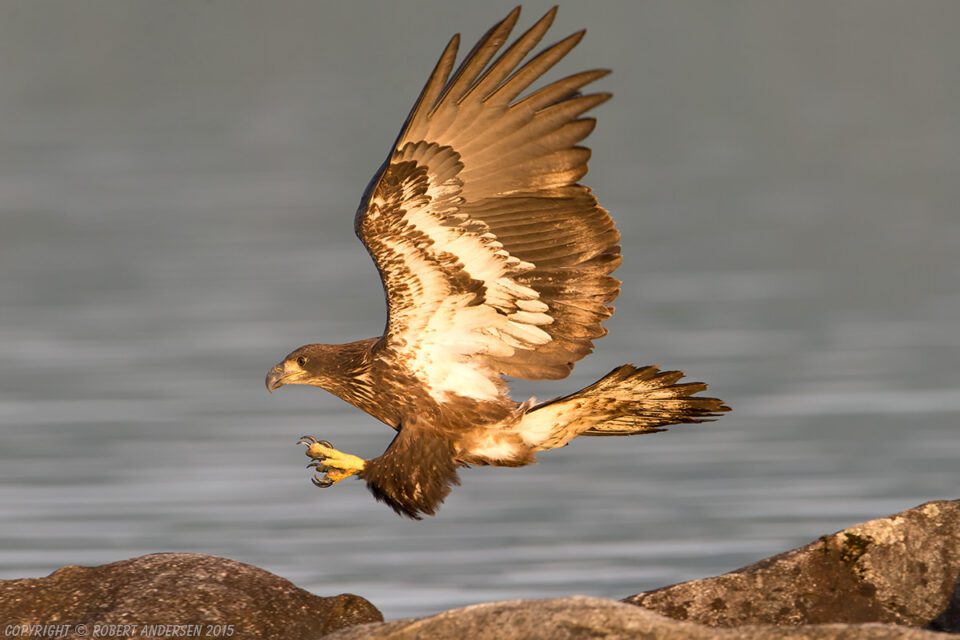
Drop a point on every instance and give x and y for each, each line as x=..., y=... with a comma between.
x=178, y=589
x=895, y=577
x=902, y=569
x=580, y=618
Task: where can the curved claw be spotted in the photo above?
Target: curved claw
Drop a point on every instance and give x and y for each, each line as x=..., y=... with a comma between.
x=324, y=443
x=323, y=483
x=319, y=466
x=307, y=440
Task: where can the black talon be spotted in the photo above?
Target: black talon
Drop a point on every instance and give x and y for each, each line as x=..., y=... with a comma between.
x=319, y=466
x=307, y=440
x=324, y=443
x=323, y=483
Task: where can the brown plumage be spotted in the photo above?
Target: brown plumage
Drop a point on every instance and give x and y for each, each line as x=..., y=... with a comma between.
x=495, y=261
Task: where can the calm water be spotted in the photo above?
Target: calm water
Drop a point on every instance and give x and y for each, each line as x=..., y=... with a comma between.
x=177, y=184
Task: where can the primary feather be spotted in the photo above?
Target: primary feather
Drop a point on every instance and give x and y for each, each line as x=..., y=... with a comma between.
x=493, y=259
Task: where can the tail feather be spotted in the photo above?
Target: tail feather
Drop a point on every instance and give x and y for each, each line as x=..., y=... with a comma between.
x=627, y=401
x=645, y=400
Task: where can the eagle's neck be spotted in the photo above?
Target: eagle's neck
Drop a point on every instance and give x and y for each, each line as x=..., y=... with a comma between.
x=348, y=376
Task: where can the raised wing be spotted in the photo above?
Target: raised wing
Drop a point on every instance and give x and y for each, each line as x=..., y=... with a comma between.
x=493, y=259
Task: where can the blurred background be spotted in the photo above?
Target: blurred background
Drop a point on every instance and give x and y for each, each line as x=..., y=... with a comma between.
x=177, y=187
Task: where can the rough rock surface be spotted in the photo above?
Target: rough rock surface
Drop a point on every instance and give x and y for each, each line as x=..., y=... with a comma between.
x=179, y=589
x=580, y=617
x=861, y=583
x=903, y=569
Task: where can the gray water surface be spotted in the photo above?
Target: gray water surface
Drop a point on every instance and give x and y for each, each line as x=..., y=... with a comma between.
x=177, y=185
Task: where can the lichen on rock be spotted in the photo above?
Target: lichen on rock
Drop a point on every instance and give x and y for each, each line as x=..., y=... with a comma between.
x=902, y=569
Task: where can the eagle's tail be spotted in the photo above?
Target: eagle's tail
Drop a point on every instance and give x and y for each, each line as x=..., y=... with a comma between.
x=627, y=401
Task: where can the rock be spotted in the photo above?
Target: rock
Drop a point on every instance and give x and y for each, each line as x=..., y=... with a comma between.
x=903, y=569
x=580, y=617
x=861, y=583
x=177, y=589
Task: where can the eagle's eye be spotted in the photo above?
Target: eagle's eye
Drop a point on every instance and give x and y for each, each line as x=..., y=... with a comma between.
x=301, y=361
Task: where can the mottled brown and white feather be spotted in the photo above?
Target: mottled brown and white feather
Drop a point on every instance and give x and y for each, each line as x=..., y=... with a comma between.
x=494, y=260
x=627, y=401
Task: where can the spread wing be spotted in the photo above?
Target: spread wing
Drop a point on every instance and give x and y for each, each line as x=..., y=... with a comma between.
x=494, y=260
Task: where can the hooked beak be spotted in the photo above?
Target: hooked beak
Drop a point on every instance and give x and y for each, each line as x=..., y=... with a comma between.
x=275, y=378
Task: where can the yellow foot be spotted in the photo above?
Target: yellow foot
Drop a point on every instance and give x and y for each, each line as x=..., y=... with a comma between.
x=334, y=465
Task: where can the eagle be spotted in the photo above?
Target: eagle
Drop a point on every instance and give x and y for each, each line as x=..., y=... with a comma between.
x=495, y=261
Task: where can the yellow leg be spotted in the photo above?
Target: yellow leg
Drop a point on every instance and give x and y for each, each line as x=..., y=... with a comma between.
x=335, y=465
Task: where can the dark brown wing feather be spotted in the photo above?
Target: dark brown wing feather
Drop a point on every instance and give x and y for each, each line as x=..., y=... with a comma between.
x=516, y=163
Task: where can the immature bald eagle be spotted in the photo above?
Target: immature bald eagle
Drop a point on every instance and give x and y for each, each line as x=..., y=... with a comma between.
x=495, y=261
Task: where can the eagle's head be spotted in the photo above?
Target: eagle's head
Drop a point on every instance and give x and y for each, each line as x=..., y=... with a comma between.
x=312, y=364
x=338, y=368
